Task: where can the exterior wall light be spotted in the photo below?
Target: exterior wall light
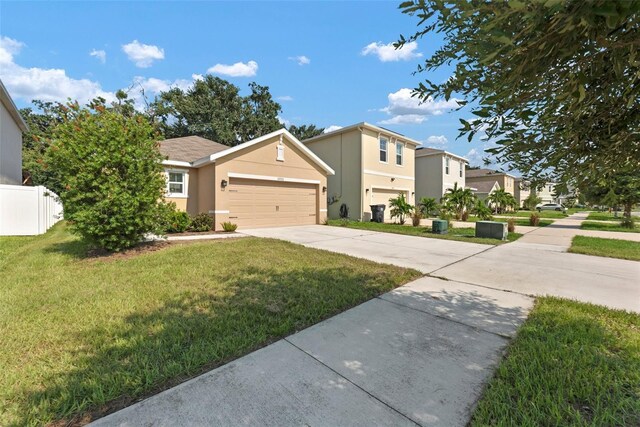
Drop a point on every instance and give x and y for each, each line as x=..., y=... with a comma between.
x=224, y=183
x=324, y=190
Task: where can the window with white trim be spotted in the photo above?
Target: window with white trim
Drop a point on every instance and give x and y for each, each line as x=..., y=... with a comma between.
x=176, y=183
x=446, y=165
x=384, y=145
x=399, y=153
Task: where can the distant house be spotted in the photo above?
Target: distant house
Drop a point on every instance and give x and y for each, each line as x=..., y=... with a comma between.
x=273, y=180
x=372, y=165
x=522, y=190
x=546, y=192
x=11, y=127
x=476, y=177
x=483, y=189
x=437, y=171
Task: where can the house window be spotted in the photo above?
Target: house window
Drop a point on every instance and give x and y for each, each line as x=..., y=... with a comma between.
x=176, y=183
x=461, y=168
x=446, y=166
x=383, y=149
x=399, y=153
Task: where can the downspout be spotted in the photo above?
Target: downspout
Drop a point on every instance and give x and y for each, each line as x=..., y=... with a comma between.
x=361, y=130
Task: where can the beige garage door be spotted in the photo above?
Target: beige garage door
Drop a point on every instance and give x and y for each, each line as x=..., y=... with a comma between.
x=256, y=203
x=381, y=197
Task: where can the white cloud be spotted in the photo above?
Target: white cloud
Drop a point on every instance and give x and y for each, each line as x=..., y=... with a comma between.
x=239, y=69
x=285, y=98
x=300, y=60
x=284, y=122
x=437, y=140
x=331, y=128
x=149, y=87
x=142, y=55
x=407, y=109
x=474, y=157
x=100, y=54
x=47, y=84
x=388, y=53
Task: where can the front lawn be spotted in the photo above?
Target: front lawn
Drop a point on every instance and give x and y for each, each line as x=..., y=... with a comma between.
x=608, y=226
x=84, y=336
x=543, y=214
x=612, y=248
x=458, y=234
x=571, y=364
x=519, y=221
x=606, y=216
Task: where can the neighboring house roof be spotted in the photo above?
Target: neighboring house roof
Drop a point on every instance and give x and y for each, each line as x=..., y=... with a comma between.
x=486, y=186
x=208, y=151
x=366, y=126
x=6, y=100
x=427, y=151
x=189, y=148
x=477, y=173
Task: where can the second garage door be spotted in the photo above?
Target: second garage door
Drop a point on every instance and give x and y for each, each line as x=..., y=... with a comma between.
x=257, y=203
x=381, y=197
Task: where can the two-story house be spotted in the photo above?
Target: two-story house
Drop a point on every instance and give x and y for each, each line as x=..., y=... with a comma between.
x=480, y=177
x=371, y=164
x=522, y=191
x=11, y=127
x=546, y=192
x=437, y=171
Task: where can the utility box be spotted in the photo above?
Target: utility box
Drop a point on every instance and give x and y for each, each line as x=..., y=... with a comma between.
x=439, y=226
x=492, y=230
x=377, y=213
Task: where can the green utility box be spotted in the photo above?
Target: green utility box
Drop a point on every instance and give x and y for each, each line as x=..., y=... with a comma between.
x=439, y=226
x=492, y=230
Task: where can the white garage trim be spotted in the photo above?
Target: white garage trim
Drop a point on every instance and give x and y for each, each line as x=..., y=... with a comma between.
x=323, y=210
x=272, y=178
x=381, y=187
x=389, y=175
x=218, y=212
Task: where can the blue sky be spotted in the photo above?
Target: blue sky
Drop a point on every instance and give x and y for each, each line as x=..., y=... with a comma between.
x=327, y=63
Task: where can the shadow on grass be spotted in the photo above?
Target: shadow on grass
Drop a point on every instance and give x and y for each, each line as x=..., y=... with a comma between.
x=144, y=353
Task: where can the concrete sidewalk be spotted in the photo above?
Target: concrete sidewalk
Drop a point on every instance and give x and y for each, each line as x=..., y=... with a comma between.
x=419, y=355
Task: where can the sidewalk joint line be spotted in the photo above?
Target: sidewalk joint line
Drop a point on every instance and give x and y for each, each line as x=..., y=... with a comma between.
x=351, y=382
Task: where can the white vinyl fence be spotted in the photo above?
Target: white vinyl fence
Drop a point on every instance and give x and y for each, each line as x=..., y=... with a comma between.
x=26, y=211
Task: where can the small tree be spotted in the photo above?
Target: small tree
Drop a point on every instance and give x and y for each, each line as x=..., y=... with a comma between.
x=400, y=208
x=428, y=206
x=532, y=201
x=461, y=200
x=482, y=211
x=109, y=168
x=501, y=200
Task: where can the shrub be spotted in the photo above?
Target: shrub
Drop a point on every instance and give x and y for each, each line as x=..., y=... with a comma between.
x=400, y=208
x=201, y=222
x=229, y=226
x=178, y=222
x=464, y=216
x=109, y=168
x=534, y=219
x=511, y=225
x=482, y=211
x=628, y=222
x=344, y=211
x=428, y=206
x=416, y=216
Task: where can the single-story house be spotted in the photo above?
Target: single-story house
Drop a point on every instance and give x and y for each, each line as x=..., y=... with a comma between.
x=273, y=180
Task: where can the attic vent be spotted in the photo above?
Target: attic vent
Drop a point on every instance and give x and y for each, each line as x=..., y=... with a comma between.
x=280, y=156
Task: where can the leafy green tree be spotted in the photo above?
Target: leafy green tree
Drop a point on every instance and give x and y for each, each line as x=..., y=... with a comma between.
x=214, y=109
x=108, y=164
x=624, y=191
x=305, y=131
x=556, y=83
x=428, y=206
x=399, y=208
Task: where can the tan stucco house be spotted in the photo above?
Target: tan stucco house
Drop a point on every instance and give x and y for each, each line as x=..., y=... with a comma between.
x=546, y=192
x=372, y=165
x=483, y=189
x=11, y=127
x=475, y=177
x=437, y=171
x=273, y=180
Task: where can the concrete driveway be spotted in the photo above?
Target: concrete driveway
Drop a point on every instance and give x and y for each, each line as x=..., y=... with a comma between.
x=425, y=255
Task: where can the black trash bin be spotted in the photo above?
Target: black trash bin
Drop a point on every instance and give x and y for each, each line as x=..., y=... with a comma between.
x=377, y=213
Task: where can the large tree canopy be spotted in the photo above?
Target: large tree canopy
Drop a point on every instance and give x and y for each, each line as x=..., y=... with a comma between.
x=555, y=83
x=303, y=132
x=213, y=108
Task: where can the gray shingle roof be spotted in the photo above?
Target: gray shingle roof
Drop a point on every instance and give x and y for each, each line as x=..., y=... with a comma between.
x=189, y=148
x=483, y=187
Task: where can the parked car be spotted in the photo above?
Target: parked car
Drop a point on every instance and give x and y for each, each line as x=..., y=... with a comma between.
x=551, y=207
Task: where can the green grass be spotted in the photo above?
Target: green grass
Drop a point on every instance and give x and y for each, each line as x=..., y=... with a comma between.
x=608, y=226
x=543, y=214
x=519, y=221
x=612, y=248
x=606, y=216
x=458, y=234
x=574, y=210
x=571, y=364
x=86, y=335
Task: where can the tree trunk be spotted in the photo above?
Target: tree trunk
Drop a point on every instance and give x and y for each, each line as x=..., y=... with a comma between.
x=627, y=209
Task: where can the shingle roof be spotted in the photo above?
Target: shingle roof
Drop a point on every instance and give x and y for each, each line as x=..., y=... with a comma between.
x=189, y=148
x=428, y=150
x=473, y=173
x=484, y=187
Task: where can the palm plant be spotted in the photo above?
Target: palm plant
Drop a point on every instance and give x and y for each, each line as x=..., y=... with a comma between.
x=460, y=199
x=428, y=206
x=482, y=211
x=400, y=208
x=501, y=199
